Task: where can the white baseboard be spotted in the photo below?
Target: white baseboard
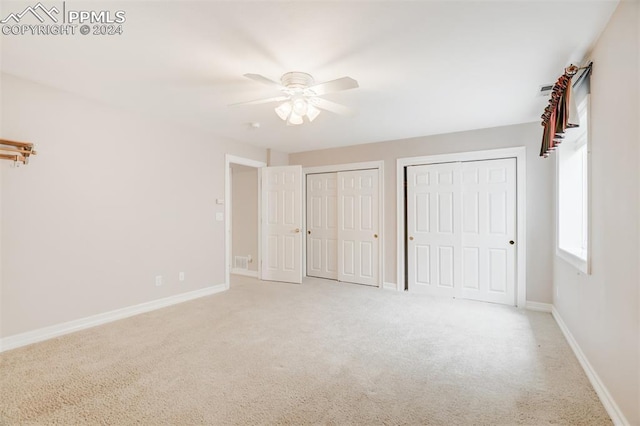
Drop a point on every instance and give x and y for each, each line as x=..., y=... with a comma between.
x=39, y=335
x=607, y=400
x=540, y=307
x=244, y=272
x=389, y=286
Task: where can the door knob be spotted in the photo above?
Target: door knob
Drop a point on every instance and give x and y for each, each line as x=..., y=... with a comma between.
x=297, y=231
x=411, y=238
x=309, y=232
x=375, y=235
x=512, y=242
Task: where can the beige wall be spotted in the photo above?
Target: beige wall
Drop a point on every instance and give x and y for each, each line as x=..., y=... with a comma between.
x=244, y=196
x=1, y=269
x=277, y=158
x=602, y=310
x=110, y=201
x=2, y=135
x=539, y=187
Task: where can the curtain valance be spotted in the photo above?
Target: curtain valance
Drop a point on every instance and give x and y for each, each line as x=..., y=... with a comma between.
x=561, y=113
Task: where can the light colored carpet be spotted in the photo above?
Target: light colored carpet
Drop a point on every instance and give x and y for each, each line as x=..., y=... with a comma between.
x=317, y=353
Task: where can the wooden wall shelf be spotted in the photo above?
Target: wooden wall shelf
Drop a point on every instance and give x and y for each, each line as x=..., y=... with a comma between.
x=18, y=152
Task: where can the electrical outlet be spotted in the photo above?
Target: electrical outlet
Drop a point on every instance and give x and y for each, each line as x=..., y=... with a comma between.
x=158, y=280
x=181, y=276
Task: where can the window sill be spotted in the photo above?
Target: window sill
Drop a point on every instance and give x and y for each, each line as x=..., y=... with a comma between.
x=573, y=259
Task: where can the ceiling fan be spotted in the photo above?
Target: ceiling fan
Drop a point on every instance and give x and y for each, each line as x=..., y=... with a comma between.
x=301, y=96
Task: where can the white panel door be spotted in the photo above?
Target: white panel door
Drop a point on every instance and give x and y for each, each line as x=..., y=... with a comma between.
x=322, y=225
x=433, y=228
x=281, y=200
x=488, y=230
x=358, y=242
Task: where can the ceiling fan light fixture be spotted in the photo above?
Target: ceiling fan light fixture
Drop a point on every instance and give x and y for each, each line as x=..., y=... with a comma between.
x=312, y=112
x=294, y=119
x=284, y=110
x=294, y=111
x=300, y=106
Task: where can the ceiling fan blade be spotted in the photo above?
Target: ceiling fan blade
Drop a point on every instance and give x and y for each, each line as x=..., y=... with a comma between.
x=262, y=101
x=331, y=106
x=344, y=83
x=264, y=80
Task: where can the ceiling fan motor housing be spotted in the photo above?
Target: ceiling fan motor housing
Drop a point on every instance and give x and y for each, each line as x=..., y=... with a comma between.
x=296, y=80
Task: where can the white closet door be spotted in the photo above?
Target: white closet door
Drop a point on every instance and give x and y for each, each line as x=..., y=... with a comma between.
x=322, y=226
x=433, y=228
x=488, y=230
x=281, y=224
x=461, y=227
x=358, y=242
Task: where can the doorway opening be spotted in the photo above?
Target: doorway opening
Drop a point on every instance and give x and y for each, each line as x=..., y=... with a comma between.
x=242, y=224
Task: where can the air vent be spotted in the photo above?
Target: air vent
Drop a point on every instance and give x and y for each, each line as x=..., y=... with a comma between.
x=545, y=90
x=241, y=262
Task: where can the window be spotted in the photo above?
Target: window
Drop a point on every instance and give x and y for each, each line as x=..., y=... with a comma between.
x=573, y=193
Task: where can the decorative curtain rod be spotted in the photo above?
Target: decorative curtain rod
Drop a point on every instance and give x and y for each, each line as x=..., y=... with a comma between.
x=18, y=152
x=584, y=74
x=572, y=70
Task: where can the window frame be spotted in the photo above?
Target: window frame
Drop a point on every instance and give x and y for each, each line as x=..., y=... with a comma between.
x=581, y=264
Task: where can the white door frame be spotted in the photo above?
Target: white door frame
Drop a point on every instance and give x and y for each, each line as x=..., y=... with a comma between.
x=378, y=165
x=228, y=160
x=519, y=153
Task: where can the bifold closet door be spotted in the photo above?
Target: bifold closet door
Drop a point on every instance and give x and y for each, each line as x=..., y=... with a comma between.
x=461, y=227
x=489, y=230
x=358, y=223
x=322, y=225
x=433, y=228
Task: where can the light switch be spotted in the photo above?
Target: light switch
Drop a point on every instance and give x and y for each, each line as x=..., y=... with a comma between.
x=219, y=216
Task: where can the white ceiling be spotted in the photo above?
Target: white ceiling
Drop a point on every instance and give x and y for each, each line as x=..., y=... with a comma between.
x=424, y=67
